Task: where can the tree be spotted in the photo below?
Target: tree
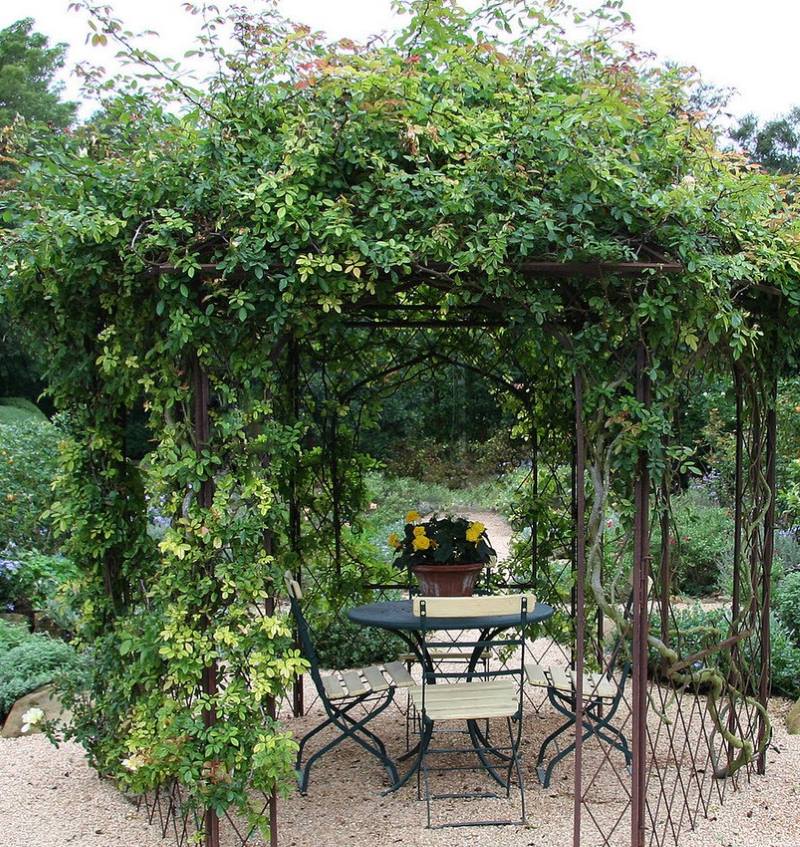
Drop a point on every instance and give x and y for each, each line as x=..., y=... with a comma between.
x=27, y=68
x=775, y=145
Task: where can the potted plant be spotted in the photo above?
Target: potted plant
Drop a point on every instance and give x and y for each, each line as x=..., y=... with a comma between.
x=445, y=554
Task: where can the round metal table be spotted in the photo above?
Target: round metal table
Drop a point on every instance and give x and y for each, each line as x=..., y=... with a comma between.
x=397, y=616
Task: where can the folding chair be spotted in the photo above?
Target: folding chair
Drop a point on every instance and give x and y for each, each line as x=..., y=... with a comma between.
x=340, y=692
x=460, y=696
x=601, y=696
x=453, y=653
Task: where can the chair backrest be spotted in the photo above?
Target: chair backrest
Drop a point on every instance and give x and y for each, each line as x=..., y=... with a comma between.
x=293, y=588
x=471, y=607
x=511, y=639
x=304, y=636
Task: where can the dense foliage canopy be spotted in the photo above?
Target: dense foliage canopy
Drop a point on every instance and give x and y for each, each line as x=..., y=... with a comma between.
x=211, y=228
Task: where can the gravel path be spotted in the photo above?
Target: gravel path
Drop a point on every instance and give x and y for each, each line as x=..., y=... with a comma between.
x=51, y=798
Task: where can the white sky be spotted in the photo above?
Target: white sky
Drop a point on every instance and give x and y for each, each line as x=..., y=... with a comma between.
x=750, y=46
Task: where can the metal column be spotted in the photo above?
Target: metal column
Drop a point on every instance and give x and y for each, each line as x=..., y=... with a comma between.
x=202, y=430
x=641, y=555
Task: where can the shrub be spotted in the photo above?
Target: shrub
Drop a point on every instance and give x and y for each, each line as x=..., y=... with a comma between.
x=702, y=544
x=31, y=662
x=24, y=409
x=696, y=629
x=342, y=644
x=787, y=550
x=28, y=463
x=786, y=602
x=785, y=660
x=35, y=581
x=11, y=635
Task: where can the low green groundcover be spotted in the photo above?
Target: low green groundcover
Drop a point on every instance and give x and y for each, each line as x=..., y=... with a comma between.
x=29, y=661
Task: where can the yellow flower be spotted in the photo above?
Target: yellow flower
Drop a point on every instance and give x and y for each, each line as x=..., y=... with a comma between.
x=419, y=530
x=413, y=516
x=394, y=541
x=421, y=542
x=474, y=531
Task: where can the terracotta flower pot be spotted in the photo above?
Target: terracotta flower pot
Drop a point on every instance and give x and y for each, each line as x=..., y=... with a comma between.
x=447, y=580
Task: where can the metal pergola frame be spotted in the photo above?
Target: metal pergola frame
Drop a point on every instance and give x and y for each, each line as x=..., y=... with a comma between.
x=489, y=313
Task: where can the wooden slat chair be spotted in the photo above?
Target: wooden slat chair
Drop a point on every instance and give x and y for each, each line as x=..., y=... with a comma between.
x=340, y=692
x=448, y=696
x=602, y=695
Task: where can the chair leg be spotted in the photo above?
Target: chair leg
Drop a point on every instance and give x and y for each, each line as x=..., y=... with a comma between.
x=348, y=728
x=426, y=776
x=515, y=758
x=424, y=741
x=482, y=746
x=550, y=739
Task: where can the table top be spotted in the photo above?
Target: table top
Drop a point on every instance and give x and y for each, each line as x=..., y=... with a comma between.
x=398, y=615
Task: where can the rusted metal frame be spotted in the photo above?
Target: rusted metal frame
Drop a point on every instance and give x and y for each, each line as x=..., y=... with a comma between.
x=574, y=512
x=714, y=648
x=208, y=683
x=535, y=486
x=336, y=494
x=738, y=496
x=665, y=554
x=272, y=714
x=597, y=269
x=579, y=560
x=665, y=561
x=540, y=268
x=755, y=460
x=293, y=390
x=641, y=548
x=766, y=573
x=395, y=323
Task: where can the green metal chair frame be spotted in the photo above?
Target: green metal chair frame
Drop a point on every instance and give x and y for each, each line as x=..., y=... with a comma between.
x=506, y=757
x=338, y=710
x=598, y=712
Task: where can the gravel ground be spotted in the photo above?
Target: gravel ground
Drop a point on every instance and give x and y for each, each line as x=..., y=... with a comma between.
x=51, y=798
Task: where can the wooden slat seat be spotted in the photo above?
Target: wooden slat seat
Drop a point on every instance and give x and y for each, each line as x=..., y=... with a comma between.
x=372, y=679
x=595, y=686
x=468, y=701
x=399, y=674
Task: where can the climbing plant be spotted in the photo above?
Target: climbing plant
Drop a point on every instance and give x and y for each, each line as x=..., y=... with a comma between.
x=196, y=231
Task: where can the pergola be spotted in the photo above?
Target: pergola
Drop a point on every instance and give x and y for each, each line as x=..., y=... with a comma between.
x=655, y=815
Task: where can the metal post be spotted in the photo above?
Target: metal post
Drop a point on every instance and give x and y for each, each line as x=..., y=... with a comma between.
x=579, y=490
x=665, y=564
x=641, y=548
x=738, y=495
x=202, y=433
x=766, y=570
x=272, y=713
x=298, y=706
x=736, y=601
x=573, y=597
x=535, y=521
